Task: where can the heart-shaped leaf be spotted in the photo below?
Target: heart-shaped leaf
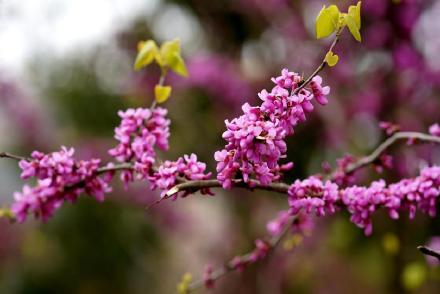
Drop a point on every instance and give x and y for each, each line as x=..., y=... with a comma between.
x=331, y=59
x=148, y=50
x=354, y=30
x=162, y=93
x=355, y=13
x=170, y=57
x=327, y=21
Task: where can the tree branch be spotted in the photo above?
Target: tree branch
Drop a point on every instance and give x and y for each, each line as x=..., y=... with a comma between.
x=253, y=185
x=283, y=187
x=12, y=156
x=185, y=185
x=246, y=258
x=387, y=144
x=428, y=251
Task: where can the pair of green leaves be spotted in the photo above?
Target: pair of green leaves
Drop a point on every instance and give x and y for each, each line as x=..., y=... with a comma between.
x=167, y=56
x=330, y=20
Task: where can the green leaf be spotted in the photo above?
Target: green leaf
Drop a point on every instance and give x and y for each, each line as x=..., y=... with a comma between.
x=177, y=65
x=331, y=59
x=167, y=50
x=170, y=57
x=147, y=52
x=355, y=13
x=354, y=30
x=162, y=93
x=327, y=21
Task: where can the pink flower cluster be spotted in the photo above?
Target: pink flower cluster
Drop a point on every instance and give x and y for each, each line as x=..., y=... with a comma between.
x=139, y=132
x=256, y=139
x=313, y=194
x=168, y=174
x=59, y=178
x=340, y=176
x=435, y=130
x=389, y=127
x=260, y=251
x=302, y=224
x=421, y=193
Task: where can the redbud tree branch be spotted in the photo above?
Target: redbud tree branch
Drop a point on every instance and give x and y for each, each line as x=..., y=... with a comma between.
x=428, y=251
x=186, y=185
x=387, y=144
x=12, y=156
x=246, y=258
x=283, y=187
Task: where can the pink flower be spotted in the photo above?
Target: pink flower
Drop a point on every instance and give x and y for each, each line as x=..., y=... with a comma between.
x=139, y=132
x=313, y=195
x=319, y=92
x=419, y=193
x=168, y=173
x=435, y=130
x=389, y=127
x=256, y=139
x=59, y=178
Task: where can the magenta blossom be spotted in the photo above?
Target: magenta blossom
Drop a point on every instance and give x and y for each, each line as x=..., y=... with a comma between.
x=169, y=173
x=59, y=178
x=256, y=139
x=435, y=130
x=419, y=193
x=139, y=132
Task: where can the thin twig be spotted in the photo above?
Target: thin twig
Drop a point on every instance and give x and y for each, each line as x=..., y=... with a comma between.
x=246, y=258
x=252, y=185
x=387, y=144
x=321, y=66
x=429, y=251
x=12, y=156
x=116, y=167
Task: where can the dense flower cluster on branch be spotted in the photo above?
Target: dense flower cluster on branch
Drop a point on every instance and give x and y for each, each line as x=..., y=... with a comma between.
x=140, y=131
x=187, y=168
x=256, y=139
x=59, y=178
x=324, y=197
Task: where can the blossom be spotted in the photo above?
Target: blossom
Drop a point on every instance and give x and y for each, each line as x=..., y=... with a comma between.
x=318, y=91
x=341, y=176
x=435, y=130
x=59, y=178
x=362, y=202
x=419, y=193
x=139, y=132
x=389, y=127
x=169, y=172
x=313, y=194
x=208, y=279
x=256, y=139
x=276, y=226
x=261, y=250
